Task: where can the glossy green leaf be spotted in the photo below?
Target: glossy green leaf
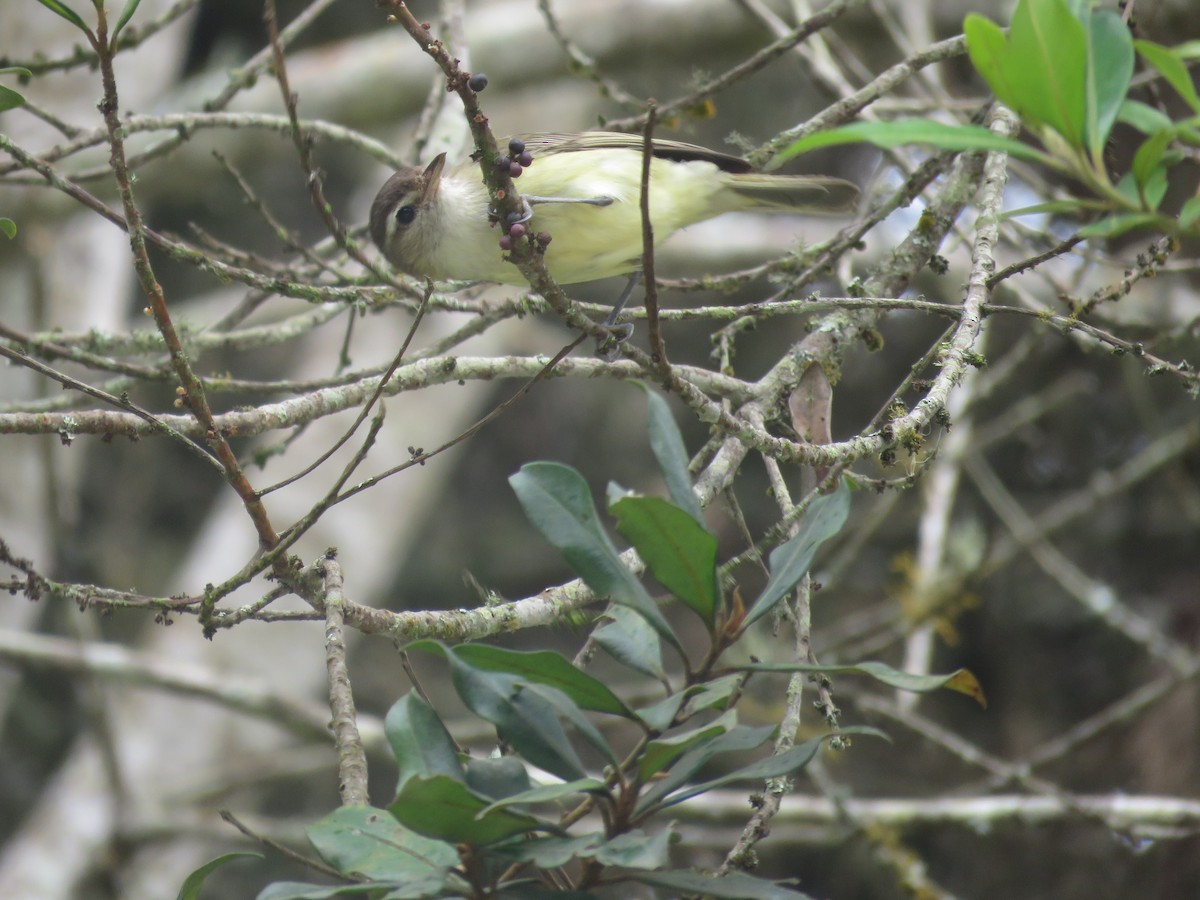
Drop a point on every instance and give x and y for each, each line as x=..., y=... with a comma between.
x=193, y=884
x=960, y=680
x=497, y=777
x=566, y=709
x=734, y=886
x=294, y=890
x=790, y=561
x=9, y=227
x=1074, y=207
x=716, y=693
x=987, y=47
x=557, y=501
x=913, y=131
x=733, y=741
x=667, y=444
x=522, y=718
x=635, y=850
x=661, y=752
x=630, y=640
x=1109, y=71
x=552, y=852
x=549, y=793
x=659, y=716
x=1172, y=68
x=1046, y=66
x=420, y=742
x=126, y=14
x=1149, y=155
x=1190, y=214
x=678, y=550
x=370, y=841
x=1119, y=223
x=547, y=667
x=771, y=767
x=66, y=12
x=1145, y=118
x=528, y=889
x=10, y=99
x=444, y=809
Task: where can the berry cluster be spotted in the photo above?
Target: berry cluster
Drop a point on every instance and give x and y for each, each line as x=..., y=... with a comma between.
x=517, y=160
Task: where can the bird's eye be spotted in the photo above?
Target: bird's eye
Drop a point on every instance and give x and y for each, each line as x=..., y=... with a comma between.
x=405, y=215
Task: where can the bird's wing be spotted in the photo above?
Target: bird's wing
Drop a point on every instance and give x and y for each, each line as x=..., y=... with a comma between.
x=611, y=140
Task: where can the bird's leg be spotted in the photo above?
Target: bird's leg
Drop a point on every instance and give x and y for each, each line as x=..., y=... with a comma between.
x=606, y=349
x=591, y=201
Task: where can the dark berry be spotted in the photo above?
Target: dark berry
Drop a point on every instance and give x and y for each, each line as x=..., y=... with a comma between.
x=506, y=243
x=516, y=147
x=477, y=82
x=514, y=170
x=516, y=231
x=525, y=158
x=502, y=162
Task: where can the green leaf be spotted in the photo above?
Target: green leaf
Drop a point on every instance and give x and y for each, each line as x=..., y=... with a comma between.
x=556, y=500
x=669, y=450
x=497, y=777
x=1046, y=66
x=772, y=767
x=447, y=810
x=715, y=693
x=789, y=562
x=10, y=99
x=735, y=740
x=960, y=680
x=420, y=742
x=1190, y=214
x=634, y=850
x=1145, y=118
x=734, y=886
x=567, y=709
x=547, y=667
x=194, y=882
x=914, y=131
x=1109, y=71
x=126, y=14
x=370, y=841
x=550, y=792
x=294, y=890
x=1119, y=223
x=522, y=717
x=1172, y=67
x=1050, y=206
x=66, y=12
x=1149, y=155
x=9, y=227
x=678, y=550
x=987, y=47
x=630, y=640
x=661, y=752
x=552, y=852
x=660, y=715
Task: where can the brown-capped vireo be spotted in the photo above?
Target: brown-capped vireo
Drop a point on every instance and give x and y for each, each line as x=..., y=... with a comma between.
x=585, y=190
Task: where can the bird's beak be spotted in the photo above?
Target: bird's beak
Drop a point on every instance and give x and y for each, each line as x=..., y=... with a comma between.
x=431, y=178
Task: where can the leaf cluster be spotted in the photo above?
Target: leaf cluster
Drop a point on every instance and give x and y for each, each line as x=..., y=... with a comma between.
x=1066, y=67
x=474, y=827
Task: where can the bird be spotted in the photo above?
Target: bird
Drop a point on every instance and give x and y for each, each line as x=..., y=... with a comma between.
x=584, y=190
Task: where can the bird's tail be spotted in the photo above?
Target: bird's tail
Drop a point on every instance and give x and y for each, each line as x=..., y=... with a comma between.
x=796, y=193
